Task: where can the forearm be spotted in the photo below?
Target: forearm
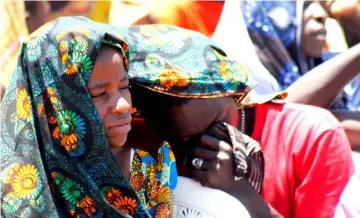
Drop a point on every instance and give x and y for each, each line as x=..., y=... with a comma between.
x=320, y=86
x=350, y=121
x=252, y=201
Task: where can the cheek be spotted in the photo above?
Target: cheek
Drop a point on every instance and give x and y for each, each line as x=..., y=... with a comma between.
x=101, y=109
x=127, y=96
x=233, y=118
x=307, y=29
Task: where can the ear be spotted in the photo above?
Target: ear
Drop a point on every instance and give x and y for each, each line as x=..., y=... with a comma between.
x=144, y=136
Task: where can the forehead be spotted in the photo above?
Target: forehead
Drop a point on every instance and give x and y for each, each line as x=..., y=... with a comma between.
x=108, y=66
x=197, y=115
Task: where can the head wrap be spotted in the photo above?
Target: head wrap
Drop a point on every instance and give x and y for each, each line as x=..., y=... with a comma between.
x=55, y=157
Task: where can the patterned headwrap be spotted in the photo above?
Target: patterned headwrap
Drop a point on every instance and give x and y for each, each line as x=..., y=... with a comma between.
x=186, y=64
x=55, y=157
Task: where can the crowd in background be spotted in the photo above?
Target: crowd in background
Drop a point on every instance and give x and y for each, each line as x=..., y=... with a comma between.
x=308, y=50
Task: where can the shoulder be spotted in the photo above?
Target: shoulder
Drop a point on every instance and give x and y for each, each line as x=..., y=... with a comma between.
x=299, y=126
x=303, y=116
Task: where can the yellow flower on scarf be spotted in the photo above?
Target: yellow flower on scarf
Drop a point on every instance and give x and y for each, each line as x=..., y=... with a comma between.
x=223, y=70
x=23, y=105
x=63, y=47
x=170, y=78
x=71, y=69
x=40, y=109
x=126, y=205
x=85, y=202
x=65, y=58
x=26, y=183
x=69, y=141
x=112, y=194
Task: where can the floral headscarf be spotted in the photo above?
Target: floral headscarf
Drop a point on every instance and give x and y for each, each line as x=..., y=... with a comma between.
x=186, y=64
x=55, y=158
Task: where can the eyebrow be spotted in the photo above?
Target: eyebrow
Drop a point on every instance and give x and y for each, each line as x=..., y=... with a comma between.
x=102, y=85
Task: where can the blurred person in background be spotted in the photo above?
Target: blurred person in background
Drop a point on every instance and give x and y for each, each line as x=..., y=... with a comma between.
x=201, y=16
x=95, y=10
x=18, y=19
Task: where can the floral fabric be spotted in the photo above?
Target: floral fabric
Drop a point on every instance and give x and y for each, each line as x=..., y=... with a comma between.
x=183, y=63
x=55, y=158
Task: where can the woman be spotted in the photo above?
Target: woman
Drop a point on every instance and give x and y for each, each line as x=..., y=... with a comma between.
x=287, y=50
x=299, y=142
x=63, y=126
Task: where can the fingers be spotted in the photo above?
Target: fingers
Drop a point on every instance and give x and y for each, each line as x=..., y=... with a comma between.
x=207, y=141
x=208, y=165
x=205, y=153
x=201, y=176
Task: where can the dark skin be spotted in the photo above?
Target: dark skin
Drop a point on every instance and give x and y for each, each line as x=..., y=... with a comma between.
x=191, y=119
x=112, y=99
x=314, y=33
x=348, y=13
x=327, y=81
x=37, y=14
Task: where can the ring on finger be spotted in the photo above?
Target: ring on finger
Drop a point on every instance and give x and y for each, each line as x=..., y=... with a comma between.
x=197, y=163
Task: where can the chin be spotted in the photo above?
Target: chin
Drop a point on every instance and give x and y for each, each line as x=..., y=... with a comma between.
x=117, y=142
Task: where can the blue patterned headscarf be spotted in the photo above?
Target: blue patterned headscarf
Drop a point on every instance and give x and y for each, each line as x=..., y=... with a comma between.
x=275, y=29
x=54, y=156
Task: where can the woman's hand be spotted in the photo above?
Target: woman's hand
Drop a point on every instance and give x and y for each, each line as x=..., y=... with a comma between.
x=217, y=171
x=217, y=168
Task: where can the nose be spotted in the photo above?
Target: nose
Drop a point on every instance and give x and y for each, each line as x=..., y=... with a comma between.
x=121, y=106
x=321, y=15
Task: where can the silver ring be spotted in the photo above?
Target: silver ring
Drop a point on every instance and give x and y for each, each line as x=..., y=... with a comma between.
x=197, y=163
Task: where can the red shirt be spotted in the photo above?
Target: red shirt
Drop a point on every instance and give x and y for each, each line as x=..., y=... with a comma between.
x=307, y=159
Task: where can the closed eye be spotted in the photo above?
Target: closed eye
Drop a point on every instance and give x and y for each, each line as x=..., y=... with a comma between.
x=98, y=95
x=124, y=87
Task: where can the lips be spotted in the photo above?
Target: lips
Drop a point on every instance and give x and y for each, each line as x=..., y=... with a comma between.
x=320, y=34
x=120, y=126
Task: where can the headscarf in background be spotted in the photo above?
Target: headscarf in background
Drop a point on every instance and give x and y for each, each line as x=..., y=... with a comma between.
x=55, y=157
x=275, y=29
x=13, y=30
x=272, y=26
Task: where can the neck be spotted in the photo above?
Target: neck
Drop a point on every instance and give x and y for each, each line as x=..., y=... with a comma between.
x=122, y=157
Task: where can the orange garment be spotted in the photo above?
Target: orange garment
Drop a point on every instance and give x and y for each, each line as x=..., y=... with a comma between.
x=307, y=159
x=201, y=16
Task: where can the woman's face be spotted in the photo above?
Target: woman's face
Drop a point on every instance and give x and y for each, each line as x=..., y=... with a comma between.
x=108, y=87
x=314, y=32
x=196, y=115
